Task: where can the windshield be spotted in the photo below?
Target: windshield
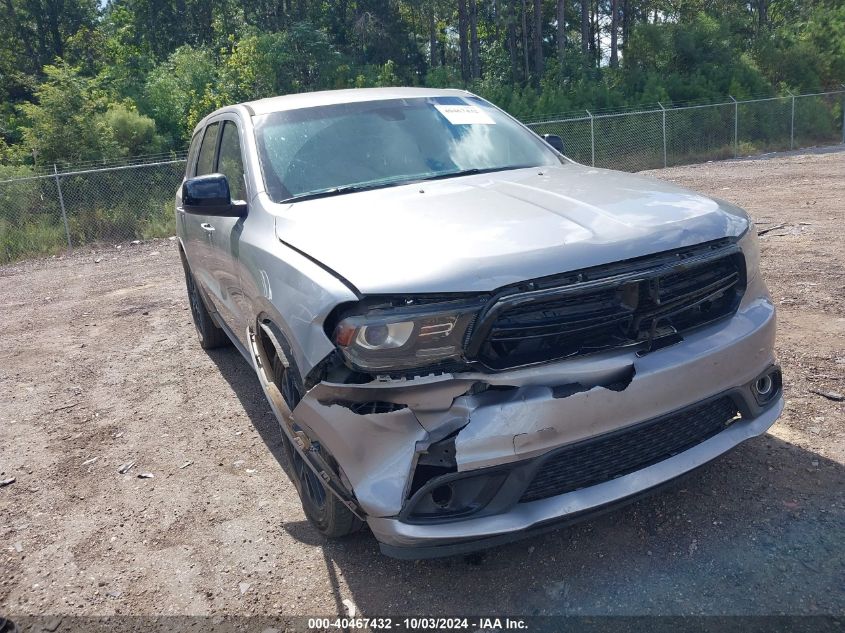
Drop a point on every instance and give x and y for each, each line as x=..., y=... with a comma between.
x=351, y=146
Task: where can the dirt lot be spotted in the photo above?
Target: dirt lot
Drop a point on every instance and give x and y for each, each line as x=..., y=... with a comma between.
x=99, y=366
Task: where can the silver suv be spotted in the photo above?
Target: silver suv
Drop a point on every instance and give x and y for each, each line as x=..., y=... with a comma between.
x=466, y=336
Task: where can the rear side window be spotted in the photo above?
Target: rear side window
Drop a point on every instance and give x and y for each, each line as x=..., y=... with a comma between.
x=205, y=164
x=230, y=163
x=190, y=168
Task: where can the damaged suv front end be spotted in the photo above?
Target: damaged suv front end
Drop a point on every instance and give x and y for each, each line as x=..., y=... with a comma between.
x=460, y=362
x=547, y=400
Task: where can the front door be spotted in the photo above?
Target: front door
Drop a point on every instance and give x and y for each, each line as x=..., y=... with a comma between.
x=225, y=233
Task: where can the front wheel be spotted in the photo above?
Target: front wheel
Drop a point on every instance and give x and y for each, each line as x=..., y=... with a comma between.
x=323, y=509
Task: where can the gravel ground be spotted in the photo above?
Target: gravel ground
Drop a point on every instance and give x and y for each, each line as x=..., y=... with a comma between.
x=99, y=366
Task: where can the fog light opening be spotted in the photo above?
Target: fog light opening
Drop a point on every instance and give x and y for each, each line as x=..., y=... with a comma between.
x=442, y=495
x=764, y=386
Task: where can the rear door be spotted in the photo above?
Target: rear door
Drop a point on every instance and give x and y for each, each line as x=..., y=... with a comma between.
x=184, y=223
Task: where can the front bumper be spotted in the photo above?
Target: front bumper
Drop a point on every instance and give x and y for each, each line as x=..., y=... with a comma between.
x=518, y=415
x=405, y=540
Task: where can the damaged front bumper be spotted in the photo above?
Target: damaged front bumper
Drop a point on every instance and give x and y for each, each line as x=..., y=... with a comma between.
x=450, y=462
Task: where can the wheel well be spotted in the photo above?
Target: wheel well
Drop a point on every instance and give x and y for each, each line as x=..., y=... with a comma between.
x=183, y=257
x=281, y=374
x=278, y=364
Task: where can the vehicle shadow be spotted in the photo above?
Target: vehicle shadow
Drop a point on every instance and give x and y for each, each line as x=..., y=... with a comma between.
x=758, y=531
x=241, y=377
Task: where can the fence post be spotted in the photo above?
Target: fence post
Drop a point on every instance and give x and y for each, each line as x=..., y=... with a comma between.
x=792, y=122
x=843, y=114
x=665, y=162
x=736, y=126
x=62, y=204
x=592, y=139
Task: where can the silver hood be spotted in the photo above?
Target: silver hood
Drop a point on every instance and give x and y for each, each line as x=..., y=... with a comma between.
x=481, y=232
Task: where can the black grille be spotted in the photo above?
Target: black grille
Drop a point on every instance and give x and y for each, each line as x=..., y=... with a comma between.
x=368, y=408
x=621, y=452
x=601, y=313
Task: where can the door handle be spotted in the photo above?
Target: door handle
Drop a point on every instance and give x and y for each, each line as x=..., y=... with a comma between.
x=207, y=227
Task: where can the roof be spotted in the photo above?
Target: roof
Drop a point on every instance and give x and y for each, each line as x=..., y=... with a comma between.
x=331, y=97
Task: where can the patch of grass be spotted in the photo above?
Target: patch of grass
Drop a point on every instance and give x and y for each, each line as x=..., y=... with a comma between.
x=161, y=224
x=35, y=237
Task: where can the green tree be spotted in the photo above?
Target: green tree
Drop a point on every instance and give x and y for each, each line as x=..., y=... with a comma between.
x=174, y=87
x=70, y=122
x=60, y=121
x=296, y=60
x=125, y=132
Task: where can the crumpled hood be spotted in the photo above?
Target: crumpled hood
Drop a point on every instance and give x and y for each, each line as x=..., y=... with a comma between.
x=478, y=233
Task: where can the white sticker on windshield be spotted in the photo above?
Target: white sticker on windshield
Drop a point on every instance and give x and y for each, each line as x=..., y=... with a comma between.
x=464, y=114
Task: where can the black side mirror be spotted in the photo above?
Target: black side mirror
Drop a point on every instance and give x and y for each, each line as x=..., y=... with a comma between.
x=555, y=141
x=209, y=195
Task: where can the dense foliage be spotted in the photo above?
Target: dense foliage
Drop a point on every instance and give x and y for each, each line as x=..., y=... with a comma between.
x=83, y=79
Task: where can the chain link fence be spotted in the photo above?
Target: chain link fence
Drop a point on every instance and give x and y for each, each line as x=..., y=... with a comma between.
x=46, y=211
x=667, y=136
x=41, y=214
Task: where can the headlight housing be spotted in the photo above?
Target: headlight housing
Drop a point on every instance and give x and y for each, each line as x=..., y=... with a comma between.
x=749, y=243
x=406, y=337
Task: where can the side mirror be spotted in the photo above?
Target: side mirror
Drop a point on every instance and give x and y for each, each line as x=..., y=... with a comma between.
x=555, y=141
x=209, y=195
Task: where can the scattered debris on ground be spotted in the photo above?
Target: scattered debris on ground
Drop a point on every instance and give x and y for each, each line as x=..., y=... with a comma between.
x=770, y=229
x=830, y=395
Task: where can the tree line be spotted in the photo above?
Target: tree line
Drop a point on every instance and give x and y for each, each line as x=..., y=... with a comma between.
x=85, y=80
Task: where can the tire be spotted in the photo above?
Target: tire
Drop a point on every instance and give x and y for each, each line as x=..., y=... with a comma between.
x=209, y=334
x=322, y=508
x=7, y=626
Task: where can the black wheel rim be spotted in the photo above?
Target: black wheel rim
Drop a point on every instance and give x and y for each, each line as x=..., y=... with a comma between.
x=194, y=300
x=310, y=485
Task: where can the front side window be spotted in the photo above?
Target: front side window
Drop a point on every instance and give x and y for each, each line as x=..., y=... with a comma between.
x=382, y=143
x=230, y=163
x=205, y=163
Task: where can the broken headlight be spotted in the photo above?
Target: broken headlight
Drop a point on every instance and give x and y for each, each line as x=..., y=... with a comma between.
x=406, y=337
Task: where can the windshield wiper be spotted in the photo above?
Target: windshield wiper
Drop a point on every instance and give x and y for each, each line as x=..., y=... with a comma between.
x=337, y=191
x=472, y=172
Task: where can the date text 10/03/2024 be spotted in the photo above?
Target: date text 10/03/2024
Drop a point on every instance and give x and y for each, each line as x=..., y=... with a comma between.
x=419, y=624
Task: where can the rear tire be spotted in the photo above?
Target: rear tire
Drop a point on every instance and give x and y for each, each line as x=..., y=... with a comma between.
x=209, y=334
